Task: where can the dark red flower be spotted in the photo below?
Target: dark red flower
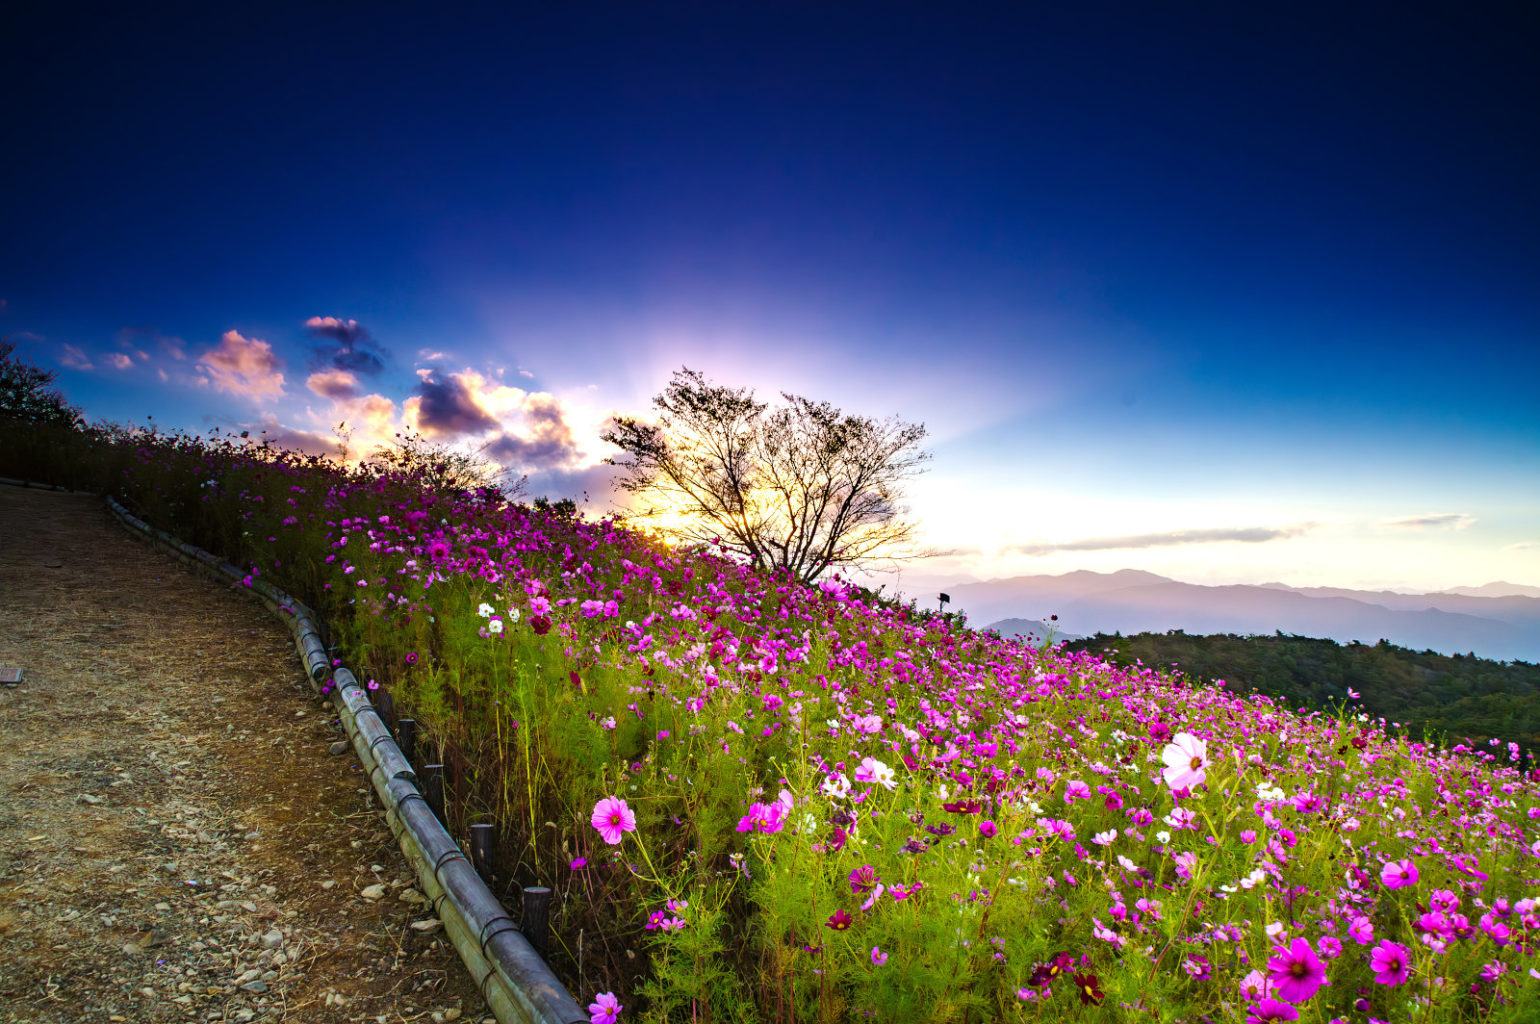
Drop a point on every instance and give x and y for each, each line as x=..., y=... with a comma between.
x=839, y=921
x=1089, y=987
x=540, y=624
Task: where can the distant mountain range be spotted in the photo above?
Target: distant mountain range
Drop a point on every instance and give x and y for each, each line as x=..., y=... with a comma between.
x=1499, y=620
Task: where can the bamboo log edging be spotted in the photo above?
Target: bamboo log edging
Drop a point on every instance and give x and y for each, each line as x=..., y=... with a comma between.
x=515, y=981
x=32, y=485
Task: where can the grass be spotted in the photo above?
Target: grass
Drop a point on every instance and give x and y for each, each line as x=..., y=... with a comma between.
x=839, y=808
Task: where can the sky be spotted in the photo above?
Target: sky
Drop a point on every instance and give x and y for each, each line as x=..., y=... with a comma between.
x=1233, y=295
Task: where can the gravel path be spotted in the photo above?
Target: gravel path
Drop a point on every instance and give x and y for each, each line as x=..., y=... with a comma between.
x=176, y=841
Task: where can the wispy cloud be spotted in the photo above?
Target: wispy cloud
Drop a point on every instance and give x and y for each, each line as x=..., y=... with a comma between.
x=74, y=358
x=1523, y=545
x=344, y=345
x=119, y=360
x=242, y=366
x=1240, y=534
x=1437, y=520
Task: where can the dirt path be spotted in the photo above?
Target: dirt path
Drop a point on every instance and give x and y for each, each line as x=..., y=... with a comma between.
x=176, y=841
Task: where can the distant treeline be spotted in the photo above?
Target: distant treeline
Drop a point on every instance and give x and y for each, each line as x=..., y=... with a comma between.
x=1449, y=698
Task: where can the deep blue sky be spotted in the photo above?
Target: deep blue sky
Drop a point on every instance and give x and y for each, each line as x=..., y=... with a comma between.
x=1143, y=274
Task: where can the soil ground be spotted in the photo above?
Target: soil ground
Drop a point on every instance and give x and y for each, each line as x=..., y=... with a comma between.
x=176, y=841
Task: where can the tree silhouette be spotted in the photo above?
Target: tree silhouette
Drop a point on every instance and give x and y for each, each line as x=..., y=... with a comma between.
x=26, y=392
x=802, y=487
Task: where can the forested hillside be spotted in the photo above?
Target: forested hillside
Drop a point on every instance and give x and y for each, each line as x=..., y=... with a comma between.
x=1435, y=696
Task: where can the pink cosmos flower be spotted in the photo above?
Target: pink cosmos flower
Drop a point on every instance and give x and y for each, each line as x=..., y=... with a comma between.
x=1398, y=873
x=1268, y=1010
x=878, y=956
x=1389, y=963
x=604, y=1009
x=1185, y=758
x=1295, y=971
x=1254, y=986
x=1362, y=930
x=612, y=818
x=769, y=817
x=862, y=879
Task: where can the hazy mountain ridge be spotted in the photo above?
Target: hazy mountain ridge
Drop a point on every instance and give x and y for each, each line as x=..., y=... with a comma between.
x=1503, y=627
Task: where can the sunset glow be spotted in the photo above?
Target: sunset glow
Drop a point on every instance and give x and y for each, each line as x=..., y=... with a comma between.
x=1254, y=304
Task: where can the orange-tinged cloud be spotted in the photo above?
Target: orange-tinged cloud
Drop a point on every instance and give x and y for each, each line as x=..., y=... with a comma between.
x=246, y=367
x=520, y=429
x=334, y=384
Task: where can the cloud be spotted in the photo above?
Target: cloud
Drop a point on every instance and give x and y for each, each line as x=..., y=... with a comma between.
x=1457, y=520
x=545, y=443
x=526, y=375
x=596, y=484
x=430, y=355
x=345, y=345
x=74, y=358
x=446, y=406
x=295, y=440
x=333, y=384
x=1523, y=545
x=246, y=367
x=118, y=361
x=1241, y=534
x=524, y=431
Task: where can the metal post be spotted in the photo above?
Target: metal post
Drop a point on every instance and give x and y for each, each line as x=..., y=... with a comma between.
x=481, y=850
x=433, y=789
x=406, y=738
x=385, y=705
x=537, y=917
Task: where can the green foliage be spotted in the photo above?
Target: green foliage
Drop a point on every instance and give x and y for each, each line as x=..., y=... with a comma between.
x=1459, y=698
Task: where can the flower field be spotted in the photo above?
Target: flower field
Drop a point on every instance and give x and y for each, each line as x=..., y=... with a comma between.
x=765, y=801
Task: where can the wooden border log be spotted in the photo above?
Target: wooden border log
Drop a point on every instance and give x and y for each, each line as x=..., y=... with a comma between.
x=516, y=982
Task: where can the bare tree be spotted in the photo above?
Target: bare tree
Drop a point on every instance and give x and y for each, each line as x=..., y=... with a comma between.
x=443, y=468
x=802, y=487
x=26, y=392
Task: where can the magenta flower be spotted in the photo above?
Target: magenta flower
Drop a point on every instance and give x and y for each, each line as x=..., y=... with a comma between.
x=1268, y=1010
x=839, y=921
x=605, y=1009
x=579, y=863
x=1389, y=963
x=863, y=879
x=612, y=818
x=1398, y=873
x=1185, y=757
x=878, y=956
x=1295, y=971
